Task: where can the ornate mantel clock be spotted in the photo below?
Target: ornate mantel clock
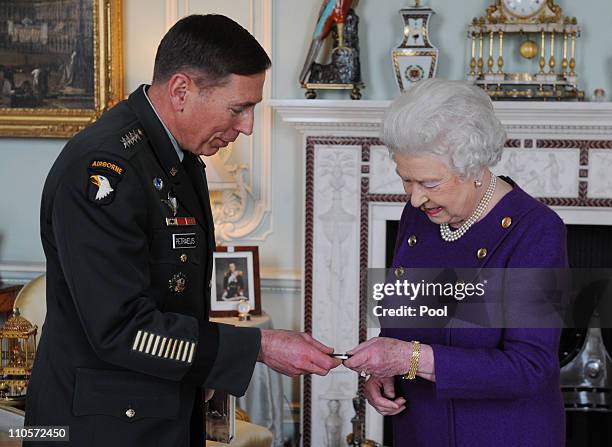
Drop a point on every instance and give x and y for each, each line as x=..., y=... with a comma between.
x=536, y=25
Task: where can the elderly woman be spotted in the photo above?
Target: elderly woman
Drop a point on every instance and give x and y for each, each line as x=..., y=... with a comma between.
x=472, y=386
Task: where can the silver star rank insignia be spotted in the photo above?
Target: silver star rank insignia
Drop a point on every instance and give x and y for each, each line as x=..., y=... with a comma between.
x=131, y=138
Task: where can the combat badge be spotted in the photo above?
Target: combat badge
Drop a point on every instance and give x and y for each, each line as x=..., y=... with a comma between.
x=178, y=283
x=104, y=176
x=171, y=203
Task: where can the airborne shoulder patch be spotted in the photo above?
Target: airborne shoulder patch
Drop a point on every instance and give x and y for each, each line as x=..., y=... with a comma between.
x=104, y=176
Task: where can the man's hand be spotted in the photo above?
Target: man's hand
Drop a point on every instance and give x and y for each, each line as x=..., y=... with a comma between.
x=294, y=353
x=381, y=395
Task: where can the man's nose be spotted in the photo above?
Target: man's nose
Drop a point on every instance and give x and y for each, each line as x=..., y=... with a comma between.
x=245, y=122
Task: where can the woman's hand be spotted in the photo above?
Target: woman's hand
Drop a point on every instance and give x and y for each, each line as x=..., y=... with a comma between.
x=381, y=395
x=384, y=357
x=380, y=357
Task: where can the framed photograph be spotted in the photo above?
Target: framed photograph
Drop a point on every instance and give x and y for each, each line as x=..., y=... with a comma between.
x=235, y=277
x=60, y=65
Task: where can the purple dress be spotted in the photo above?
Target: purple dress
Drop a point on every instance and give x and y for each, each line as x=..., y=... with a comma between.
x=494, y=387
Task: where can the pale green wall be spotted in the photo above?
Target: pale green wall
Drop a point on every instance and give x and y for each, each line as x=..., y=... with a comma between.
x=23, y=167
x=381, y=29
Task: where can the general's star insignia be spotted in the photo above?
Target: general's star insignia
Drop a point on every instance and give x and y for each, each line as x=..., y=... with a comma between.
x=131, y=138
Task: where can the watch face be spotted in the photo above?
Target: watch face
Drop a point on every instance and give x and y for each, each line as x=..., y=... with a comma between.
x=523, y=8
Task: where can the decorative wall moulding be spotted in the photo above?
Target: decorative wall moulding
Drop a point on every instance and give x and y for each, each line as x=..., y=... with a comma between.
x=20, y=272
x=312, y=115
x=554, y=117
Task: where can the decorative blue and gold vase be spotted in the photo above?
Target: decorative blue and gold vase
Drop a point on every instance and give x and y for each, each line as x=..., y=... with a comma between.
x=415, y=58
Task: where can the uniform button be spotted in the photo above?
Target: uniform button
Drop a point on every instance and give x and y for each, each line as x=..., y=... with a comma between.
x=412, y=240
x=399, y=272
x=130, y=413
x=183, y=257
x=481, y=253
x=506, y=222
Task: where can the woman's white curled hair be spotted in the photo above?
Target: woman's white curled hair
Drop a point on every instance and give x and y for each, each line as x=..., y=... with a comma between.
x=453, y=119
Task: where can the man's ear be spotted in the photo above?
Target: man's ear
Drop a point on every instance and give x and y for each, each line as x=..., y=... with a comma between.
x=178, y=89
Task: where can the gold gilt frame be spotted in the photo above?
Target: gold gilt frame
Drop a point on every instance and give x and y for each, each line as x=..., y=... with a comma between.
x=63, y=122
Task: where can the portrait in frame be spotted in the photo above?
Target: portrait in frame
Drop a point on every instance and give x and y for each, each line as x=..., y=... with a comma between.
x=60, y=65
x=235, y=277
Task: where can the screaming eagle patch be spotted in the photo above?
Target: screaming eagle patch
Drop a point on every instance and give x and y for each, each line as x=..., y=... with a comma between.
x=104, y=176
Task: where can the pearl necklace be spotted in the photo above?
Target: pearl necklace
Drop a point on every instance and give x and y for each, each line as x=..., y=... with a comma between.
x=449, y=235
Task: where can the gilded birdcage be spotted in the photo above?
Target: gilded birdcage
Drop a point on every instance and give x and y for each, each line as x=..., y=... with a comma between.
x=18, y=345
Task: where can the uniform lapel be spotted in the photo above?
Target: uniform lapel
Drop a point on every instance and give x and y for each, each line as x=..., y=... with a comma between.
x=195, y=168
x=182, y=186
x=186, y=195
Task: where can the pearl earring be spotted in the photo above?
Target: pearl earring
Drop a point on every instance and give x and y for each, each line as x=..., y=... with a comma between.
x=477, y=183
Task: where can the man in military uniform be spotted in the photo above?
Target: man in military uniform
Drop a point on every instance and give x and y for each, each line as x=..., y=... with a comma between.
x=233, y=283
x=128, y=234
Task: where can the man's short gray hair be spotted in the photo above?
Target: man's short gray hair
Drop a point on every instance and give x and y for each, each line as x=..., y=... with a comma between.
x=453, y=119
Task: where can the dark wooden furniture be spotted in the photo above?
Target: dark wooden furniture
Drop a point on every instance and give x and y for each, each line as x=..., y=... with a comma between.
x=7, y=297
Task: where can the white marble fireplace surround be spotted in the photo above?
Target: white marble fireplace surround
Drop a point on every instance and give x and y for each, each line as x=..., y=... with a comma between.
x=559, y=152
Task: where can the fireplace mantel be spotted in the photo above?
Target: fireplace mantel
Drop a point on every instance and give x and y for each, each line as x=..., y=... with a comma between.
x=559, y=152
x=322, y=115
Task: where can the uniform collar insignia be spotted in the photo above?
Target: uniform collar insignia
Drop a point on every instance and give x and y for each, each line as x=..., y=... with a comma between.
x=131, y=138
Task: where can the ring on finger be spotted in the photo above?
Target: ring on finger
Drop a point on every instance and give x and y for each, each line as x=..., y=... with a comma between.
x=363, y=374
